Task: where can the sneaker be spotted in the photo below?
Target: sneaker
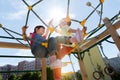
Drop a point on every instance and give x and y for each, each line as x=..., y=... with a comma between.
x=74, y=40
x=79, y=35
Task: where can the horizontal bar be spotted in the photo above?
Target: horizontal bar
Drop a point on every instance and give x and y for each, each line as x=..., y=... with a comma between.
x=20, y=71
x=10, y=56
x=13, y=45
x=10, y=37
x=96, y=40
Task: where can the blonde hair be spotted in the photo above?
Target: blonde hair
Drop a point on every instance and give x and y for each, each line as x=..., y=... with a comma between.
x=64, y=21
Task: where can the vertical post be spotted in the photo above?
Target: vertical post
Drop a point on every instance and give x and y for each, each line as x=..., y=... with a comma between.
x=44, y=75
x=82, y=68
x=112, y=31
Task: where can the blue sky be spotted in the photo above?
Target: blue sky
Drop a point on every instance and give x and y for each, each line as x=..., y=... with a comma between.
x=13, y=15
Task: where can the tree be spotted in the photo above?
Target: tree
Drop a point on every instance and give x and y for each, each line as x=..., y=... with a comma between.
x=36, y=76
x=18, y=77
x=12, y=77
x=67, y=77
x=0, y=77
x=50, y=74
x=26, y=76
x=33, y=75
x=78, y=75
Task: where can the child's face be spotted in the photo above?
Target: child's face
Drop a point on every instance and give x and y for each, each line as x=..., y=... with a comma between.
x=62, y=23
x=40, y=31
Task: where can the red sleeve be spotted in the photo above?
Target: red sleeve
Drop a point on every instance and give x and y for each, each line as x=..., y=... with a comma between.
x=32, y=36
x=44, y=37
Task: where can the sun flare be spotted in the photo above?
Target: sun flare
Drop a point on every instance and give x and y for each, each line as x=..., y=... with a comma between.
x=57, y=14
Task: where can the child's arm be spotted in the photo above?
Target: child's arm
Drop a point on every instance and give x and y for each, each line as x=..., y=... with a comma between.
x=84, y=29
x=24, y=28
x=72, y=30
x=51, y=27
x=58, y=31
x=46, y=33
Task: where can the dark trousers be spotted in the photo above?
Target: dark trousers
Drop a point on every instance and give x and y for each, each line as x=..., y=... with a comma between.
x=40, y=51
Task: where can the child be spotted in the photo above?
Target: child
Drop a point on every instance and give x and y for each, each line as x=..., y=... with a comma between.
x=40, y=51
x=66, y=38
x=40, y=47
x=75, y=36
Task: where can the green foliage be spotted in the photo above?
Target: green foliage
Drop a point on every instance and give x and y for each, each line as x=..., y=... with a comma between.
x=78, y=75
x=116, y=76
x=18, y=77
x=12, y=77
x=32, y=75
x=36, y=76
x=0, y=77
x=26, y=76
x=50, y=75
x=67, y=77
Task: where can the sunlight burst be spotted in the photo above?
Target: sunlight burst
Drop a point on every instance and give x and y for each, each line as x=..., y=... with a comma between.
x=57, y=14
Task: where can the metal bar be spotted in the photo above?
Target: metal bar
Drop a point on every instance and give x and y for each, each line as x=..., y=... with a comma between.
x=95, y=44
x=75, y=20
x=39, y=18
x=37, y=3
x=98, y=28
x=93, y=11
x=12, y=56
x=10, y=37
x=68, y=5
x=27, y=17
x=20, y=71
x=12, y=31
x=96, y=40
x=25, y=2
x=13, y=36
x=112, y=31
x=13, y=45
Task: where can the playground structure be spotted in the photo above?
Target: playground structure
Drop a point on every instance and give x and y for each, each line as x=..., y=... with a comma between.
x=81, y=49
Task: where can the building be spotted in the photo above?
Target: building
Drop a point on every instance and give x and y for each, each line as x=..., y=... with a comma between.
x=21, y=65
x=115, y=63
x=38, y=64
x=7, y=68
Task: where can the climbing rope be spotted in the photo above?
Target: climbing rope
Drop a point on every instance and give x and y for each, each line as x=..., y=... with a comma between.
x=101, y=12
x=6, y=30
x=11, y=31
x=84, y=21
x=91, y=60
x=98, y=28
x=10, y=37
x=68, y=5
x=109, y=70
x=27, y=17
x=92, y=11
x=30, y=8
x=37, y=3
x=110, y=41
x=99, y=73
x=72, y=67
